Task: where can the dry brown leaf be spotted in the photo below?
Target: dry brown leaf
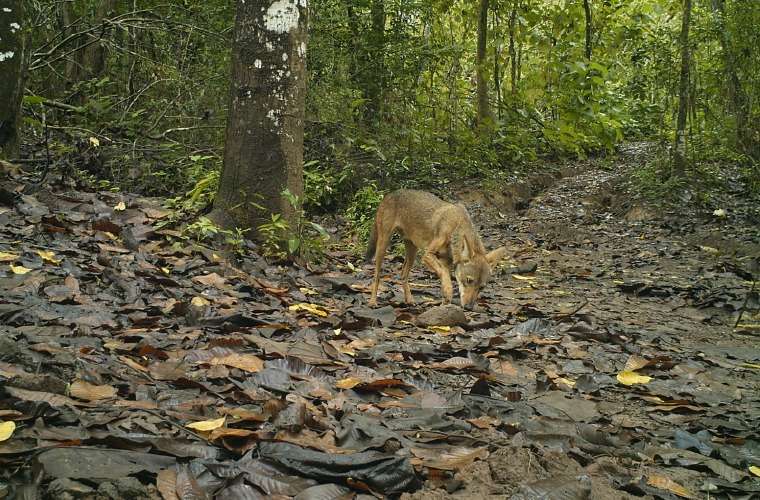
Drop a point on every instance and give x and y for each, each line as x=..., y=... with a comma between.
x=665, y=483
x=245, y=362
x=47, y=397
x=166, y=484
x=91, y=392
x=211, y=279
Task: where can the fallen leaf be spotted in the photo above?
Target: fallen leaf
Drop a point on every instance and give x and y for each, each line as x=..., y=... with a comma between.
x=91, y=392
x=631, y=378
x=754, y=470
x=19, y=269
x=199, y=301
x=95, y=141
x=6, y=430
x=120, y=206
x=665, y=483
x=207, y=425
x=440, y=329
x=245, y=362
x=348, y=383
x=48, y=256
x=311, y=308
x=7, y=257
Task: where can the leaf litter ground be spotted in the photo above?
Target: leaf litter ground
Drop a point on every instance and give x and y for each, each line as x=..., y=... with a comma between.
x=603, y=361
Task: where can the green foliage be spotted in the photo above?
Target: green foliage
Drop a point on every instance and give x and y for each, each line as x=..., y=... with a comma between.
x=203, y=230
x=361, y=211
x=303, y=238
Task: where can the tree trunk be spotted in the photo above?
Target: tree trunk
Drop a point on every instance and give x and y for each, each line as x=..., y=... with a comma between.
x=512, y=51
x=679, y=146
x=71, y=69
x=12, y=58
x=484, y=117
x=589, y=27
x=497, y=67
x=375, y=74
x=94, y=55
x=264, y=140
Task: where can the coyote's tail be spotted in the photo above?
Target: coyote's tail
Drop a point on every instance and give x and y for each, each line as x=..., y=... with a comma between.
x=371, y=245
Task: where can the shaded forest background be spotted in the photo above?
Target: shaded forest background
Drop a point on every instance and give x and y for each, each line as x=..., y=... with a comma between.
x=133, y=95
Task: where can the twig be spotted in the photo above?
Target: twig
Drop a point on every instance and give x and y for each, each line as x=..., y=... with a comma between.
x=574, y=311
x=744, y=305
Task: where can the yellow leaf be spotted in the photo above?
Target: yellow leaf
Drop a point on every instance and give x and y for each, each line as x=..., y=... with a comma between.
x=166, y=270
x=566, y=381
x=207, y=425
x=120, y=206
x=750, y=365
x=6, y=429
x=631, y=378
x=440, y=329
x=7, y=257
x=710, y=250
x=95, y=141
x=308, y=291
x=754, y=469
x=48, y=256
x=523, y=278
x=311, y=308
x=665, y=483
x=199, y=302
x=348, y=383
x=19, y=269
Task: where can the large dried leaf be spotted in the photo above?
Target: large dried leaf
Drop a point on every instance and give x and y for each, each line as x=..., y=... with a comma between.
x=90, y=392
x=665, y=483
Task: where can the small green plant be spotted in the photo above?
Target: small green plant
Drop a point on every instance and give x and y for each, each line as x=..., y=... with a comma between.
x=203, y=229
x=303, y=238
x=361, y=211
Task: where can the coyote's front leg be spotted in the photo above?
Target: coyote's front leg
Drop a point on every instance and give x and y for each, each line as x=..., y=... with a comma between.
x=431, y=260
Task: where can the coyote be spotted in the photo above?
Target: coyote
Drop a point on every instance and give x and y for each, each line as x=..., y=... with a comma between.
x=445, y=234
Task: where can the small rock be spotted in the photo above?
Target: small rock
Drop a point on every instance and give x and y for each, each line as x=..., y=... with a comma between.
x=445, y=315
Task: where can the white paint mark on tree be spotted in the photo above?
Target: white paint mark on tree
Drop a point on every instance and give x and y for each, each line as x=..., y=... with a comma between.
x=282, y=16
x=6, y=55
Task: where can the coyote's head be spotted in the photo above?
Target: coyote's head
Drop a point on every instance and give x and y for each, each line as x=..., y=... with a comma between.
x=472, y=271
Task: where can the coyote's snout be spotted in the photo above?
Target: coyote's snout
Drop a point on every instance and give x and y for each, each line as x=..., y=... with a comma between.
x=446, y=236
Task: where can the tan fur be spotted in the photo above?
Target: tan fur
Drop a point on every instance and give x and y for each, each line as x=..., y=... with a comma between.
x=445, y=234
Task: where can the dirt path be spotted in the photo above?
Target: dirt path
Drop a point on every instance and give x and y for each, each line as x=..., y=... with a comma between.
x=137, y=364
x=645, y=298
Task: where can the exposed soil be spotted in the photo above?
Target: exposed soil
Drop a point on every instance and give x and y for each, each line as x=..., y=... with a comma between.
x=602, y=362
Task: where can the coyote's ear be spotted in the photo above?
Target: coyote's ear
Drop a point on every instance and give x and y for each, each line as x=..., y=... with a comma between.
x=466, y=253
x=495, y=256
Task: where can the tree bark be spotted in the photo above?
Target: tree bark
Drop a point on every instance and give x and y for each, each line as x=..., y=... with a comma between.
x=512, y=51
x=12, y=56
x=484, y=116
x=375, y=77
x=589, y=27
x=264, y=139
x=679, y=146
x=94, y=55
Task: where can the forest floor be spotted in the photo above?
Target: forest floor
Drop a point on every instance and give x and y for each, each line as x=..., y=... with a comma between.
x=603, y=360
